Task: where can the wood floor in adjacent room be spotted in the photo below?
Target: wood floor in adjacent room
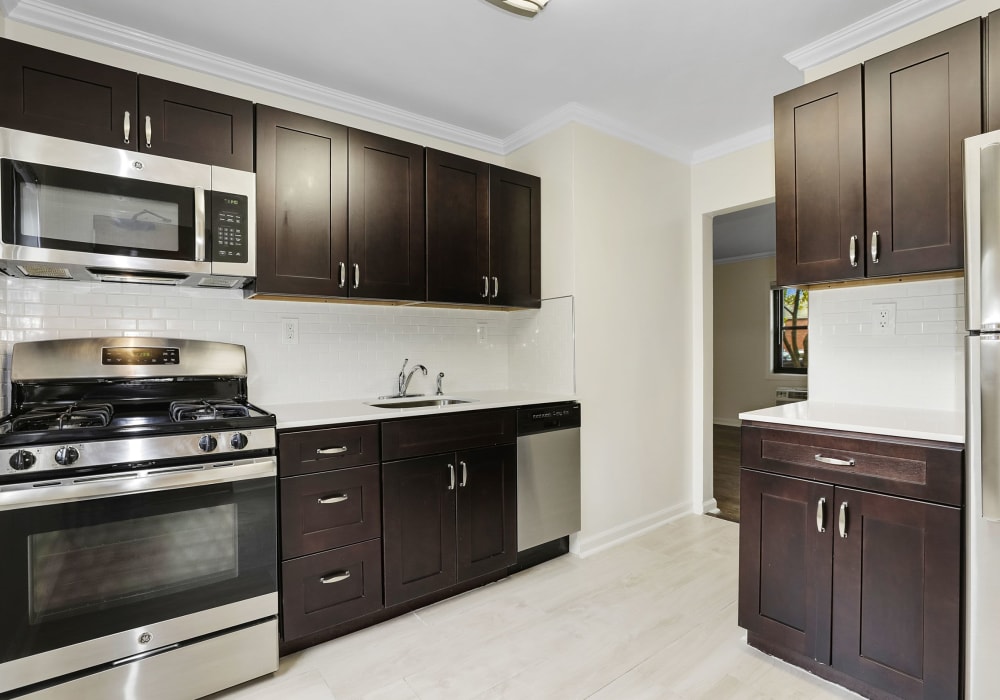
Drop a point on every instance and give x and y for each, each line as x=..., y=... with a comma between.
x=726, y=471
x=652, y=618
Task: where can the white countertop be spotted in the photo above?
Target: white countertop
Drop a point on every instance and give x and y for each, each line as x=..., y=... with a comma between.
x=307, y=415
x=946, y=426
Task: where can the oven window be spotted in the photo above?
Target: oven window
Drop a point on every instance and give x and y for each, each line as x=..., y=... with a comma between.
x=74, y=570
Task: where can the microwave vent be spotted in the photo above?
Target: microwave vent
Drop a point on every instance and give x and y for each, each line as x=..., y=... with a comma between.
x=222, y=282
x=52, y=272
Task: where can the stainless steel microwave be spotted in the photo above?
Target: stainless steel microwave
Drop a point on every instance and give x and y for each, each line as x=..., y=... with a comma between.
x=71, y=210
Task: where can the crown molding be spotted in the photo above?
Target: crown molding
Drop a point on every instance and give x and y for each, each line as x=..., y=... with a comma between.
x=868, y=29
x=8, y=6
x=52, y=17
x=736, y=143
x=577, y=113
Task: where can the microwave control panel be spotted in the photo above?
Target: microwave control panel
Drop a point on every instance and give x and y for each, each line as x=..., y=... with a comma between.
x=230, y=242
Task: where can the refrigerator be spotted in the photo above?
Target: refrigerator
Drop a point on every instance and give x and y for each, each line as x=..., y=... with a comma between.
x=982, y=416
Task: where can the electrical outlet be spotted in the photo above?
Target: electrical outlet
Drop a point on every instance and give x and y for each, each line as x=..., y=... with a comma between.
x=290, y=331
x=884, y=321
x=482, y=333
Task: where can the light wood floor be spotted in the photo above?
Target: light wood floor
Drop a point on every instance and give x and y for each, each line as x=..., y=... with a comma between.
x=653, y=618
x=726, y=471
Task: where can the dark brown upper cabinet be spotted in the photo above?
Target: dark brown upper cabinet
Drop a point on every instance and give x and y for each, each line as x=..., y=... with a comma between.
x=919, y=103
x=386, y=218
x=819, y=180
x=301, y=204
x=483, y=233
x=60, y=95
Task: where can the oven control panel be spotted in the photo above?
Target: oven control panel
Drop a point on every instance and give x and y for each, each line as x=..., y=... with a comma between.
x=230, y=214
x=140, y=356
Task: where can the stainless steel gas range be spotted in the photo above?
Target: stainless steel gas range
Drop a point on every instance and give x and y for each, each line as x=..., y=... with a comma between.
x=138, y=554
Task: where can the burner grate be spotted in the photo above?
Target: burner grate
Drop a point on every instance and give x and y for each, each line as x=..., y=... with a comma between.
x=64, y=416
x=206, y=410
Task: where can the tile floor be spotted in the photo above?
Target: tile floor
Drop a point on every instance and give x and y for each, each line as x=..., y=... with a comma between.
x=653, y=618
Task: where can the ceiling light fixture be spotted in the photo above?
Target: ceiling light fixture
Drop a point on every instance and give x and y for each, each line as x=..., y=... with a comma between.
x=525, y=8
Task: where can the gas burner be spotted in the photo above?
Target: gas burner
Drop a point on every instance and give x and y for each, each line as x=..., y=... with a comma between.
x=64, y=416
x=206, y=410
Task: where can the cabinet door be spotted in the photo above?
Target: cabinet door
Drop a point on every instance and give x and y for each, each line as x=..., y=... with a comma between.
x=819, y=180
x=921, y=101
x=185, y=122
x=301, y=204
x=897, y=612
x=59, y=95
x=386, y=218
x=458, y=229
x=515, y=238
x=487, y=510
x=786, y=559
x=418, y=526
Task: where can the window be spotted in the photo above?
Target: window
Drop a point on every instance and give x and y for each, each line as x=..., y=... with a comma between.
x=791, y=330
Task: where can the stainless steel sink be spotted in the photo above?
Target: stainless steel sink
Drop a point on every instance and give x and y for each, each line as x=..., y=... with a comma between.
x=416, y=403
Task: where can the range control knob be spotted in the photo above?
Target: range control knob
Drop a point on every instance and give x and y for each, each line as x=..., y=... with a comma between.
x=21, y=460
x=239, y=441
x=208, y=443
x=67, y=455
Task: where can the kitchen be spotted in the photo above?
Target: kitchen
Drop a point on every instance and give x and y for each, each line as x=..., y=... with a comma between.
x=594, y=183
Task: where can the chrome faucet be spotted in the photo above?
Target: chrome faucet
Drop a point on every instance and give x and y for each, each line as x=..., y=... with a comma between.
x=404, y=379
x=439, y=391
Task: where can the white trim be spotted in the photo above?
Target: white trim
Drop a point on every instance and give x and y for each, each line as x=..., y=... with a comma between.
x=868, y=29
x=575, y=112
x=736, y=143
x=728, y=422
x=592, y=544
x=710, y=506
x=52, y=17
x=743, y=258
x=8, y=6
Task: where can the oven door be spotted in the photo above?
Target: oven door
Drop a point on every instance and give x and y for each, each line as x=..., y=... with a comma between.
x=120, y=573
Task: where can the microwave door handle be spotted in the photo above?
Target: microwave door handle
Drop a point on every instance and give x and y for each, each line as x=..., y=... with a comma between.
x=199, y=224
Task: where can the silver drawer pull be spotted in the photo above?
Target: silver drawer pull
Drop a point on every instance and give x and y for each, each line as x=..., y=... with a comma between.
x=842, y=523
x=465, y=474
x=149, y=132
x=834, y=461
x=336, y=578
x=343, y=275
x=127, y=126
x=853, y=251
x=339, y=498
x=874, y=246
x=331, y=450
x=451, y=477
x=821, y=515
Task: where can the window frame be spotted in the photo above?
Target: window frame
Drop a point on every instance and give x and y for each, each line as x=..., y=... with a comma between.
x=778, y=329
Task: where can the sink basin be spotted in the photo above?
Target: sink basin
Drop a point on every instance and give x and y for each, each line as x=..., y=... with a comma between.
x=417, y=403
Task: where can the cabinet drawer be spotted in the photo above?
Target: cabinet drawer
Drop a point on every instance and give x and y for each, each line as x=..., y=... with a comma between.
x=414, y=437
x=353, y=588
x=331, y=509
x=307, y=451
x=931, y=471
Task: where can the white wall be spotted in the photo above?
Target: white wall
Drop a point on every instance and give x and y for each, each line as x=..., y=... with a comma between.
x=742, y=339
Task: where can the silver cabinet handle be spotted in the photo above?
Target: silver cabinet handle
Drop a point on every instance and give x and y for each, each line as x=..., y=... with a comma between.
x=343, y=275
x=451, y=476
x=853, y=251
x=496, y=287
x=842, y=522
x=332, y=450
x=149, y=132
x=127, y=126
x=465, y=474
x=486, y=286
x=874, y=246
x=357, y=275
x=199, y=224
x=834, y=461
x=336, y=578
x=339, y=498
x=821, y=515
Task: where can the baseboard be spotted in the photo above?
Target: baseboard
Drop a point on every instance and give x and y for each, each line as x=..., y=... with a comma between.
x=730, y=422
x=710, y=506
x=585, y=546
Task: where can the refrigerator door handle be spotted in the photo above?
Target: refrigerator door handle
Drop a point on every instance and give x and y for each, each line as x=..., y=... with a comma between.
x=986, y=430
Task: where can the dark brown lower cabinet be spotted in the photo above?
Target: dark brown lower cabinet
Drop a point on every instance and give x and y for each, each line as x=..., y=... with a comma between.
x=865, y=584
x=446, y=519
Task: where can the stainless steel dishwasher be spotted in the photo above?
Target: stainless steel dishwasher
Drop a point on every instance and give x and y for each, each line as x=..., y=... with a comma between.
x=548, y=480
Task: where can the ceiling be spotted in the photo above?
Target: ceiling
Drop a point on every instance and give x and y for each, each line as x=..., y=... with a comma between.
x=744, y=234
x=678, y=77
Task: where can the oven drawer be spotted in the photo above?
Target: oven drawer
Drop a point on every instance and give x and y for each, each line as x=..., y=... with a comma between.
x=930, y=471
x=323, y=590
x=308, y=451
x=416, y=437
x=330, y=509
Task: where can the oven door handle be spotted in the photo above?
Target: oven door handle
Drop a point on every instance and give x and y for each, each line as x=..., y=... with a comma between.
x=46, y=492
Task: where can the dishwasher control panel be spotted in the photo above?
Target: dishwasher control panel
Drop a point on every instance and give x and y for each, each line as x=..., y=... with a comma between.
x=538, y=419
